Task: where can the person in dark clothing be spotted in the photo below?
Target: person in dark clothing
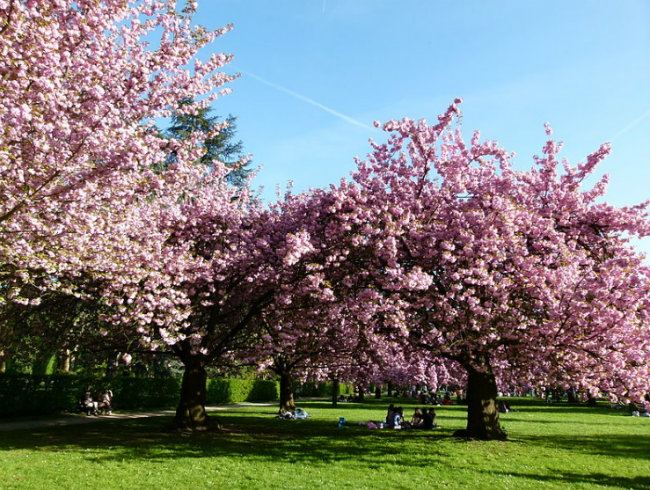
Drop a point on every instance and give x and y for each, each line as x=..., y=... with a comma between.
x=389, y=413
x=429, y=419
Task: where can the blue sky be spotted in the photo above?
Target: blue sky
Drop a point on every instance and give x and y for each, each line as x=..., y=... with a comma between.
x=317, y=73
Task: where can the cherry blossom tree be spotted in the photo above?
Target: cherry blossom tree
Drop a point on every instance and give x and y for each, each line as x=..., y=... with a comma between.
x=179, y=258
x=225, y=260
x=515, y=276
x=437, y=255
x=300, y=342
x=307, y=329
x=320, y=323
x=82, y=82
x=83, y=208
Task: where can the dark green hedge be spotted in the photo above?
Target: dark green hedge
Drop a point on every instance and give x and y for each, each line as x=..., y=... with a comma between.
x=133, y=393
x=30, y=395
x=322, y=389
x=22, y=394
x=222, y=391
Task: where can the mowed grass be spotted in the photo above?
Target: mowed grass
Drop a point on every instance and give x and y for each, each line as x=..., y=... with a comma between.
x=550, y=447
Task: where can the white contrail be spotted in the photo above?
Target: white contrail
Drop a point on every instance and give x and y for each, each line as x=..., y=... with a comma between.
x=309, y=101
x=631, y=125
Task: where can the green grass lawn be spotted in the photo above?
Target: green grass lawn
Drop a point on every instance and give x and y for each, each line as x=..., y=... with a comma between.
x=557, y=446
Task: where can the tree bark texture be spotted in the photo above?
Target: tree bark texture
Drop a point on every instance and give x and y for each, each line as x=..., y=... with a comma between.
x=64, y=361
x=287, y=403
x=191, y=413
x=482, y=409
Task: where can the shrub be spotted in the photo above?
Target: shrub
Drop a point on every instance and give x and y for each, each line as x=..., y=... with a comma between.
x=25, y=394
x=263, y=391
x=223, y=390
x=323, y=389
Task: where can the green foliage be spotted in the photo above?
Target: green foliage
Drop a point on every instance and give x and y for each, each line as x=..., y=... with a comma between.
x=221, y=391
x=263, y=390
x=132, y=393
x=323, y=389
x=37, y=395
x=16, y=365
x=39, y=339
x=24, y=394
x=44, y=366
x=224, y=391
x=221, y=147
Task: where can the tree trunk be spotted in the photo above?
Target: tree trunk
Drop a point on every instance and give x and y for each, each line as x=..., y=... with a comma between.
x=572, y=396
x=64, y=361
x=390, y=389
x=378, y=391
x=362, y=395
x=482, y=409
x=191, y=413
x=287, y=404
x=336, y=389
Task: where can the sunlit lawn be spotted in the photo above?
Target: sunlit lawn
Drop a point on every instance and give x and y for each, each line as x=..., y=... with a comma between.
x=557, y=446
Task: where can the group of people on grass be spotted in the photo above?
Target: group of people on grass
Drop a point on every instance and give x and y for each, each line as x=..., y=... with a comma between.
x=434, y=399
x=421, y=419
x=297, y=414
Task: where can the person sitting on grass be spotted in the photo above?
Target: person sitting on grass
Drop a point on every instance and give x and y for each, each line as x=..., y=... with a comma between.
x=296, y=414
x=285, y=414
x=416, y=420
x=389, y=413
x=396, y=418
x=300, y=414
x=429, y=419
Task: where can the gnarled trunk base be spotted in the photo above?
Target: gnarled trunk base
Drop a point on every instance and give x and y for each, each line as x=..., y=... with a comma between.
x=287, y=403
x=190, y=413
x=482, y=409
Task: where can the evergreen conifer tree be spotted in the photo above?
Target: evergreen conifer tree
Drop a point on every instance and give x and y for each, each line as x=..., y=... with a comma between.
x=221, y=147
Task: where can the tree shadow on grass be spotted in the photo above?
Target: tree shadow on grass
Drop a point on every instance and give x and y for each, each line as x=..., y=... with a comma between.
x=248, y=432
x=513, y=417
x=567, y=478
x=612, y=445
x=573, y=410
x=243, y=435
x=254, y=434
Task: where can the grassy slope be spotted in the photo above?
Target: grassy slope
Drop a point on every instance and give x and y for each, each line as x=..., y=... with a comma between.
x=555, y=446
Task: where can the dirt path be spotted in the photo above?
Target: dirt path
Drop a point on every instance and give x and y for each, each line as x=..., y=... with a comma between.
x=76, y=420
